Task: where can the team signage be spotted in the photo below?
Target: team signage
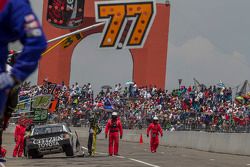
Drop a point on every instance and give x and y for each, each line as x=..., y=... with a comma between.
x=40, y=107
x=65, y=13
x=42, y=101
x=127, y=22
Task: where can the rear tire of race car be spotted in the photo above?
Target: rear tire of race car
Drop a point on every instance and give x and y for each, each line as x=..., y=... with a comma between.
x=33, y=154
x=68, y=149
x=37, y=157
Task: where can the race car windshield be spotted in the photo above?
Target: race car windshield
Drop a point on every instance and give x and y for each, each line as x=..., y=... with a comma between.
x=47, y=130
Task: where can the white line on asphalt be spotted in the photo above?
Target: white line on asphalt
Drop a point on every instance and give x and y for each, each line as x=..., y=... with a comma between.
x=101, y=153
x=162, y=153
x=96, y=152
x=211, y=159
x=84, y=148
x=248, y=164
x=145, y=163
x=122, y=157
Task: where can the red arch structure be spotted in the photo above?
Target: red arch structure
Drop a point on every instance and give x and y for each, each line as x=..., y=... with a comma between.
x=149, y=62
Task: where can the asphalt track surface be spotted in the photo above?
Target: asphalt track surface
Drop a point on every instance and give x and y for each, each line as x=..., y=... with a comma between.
x=131, y=155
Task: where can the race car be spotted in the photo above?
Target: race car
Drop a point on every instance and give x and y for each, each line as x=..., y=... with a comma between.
x=52, y=139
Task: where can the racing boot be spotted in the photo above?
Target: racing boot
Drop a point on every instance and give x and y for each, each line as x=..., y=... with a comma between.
x=93, y=152
x=90, y=153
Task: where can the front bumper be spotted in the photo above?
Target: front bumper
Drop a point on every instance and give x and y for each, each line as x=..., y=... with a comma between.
x=49, y=148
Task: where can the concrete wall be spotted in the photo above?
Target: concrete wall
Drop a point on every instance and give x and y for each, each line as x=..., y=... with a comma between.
x=231, y=143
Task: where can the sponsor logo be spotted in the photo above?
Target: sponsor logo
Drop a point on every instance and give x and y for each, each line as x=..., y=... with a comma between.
x=34, y=32
x=32, y=26
x=29, y=18
x=48, y=142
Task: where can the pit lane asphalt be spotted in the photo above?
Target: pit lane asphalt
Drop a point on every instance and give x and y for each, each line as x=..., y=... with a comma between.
x=132, y=155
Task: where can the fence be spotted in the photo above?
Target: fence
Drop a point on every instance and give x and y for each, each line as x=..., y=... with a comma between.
x=212, y=128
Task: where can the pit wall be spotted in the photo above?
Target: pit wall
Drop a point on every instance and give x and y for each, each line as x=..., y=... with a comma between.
x=229, y=143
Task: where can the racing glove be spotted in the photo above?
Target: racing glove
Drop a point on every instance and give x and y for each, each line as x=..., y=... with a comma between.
x=147, y=135
x=6, y=81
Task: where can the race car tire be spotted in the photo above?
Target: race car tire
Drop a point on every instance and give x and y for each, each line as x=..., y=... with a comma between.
x=68, y=149
x=37, y=157
x=33, y=154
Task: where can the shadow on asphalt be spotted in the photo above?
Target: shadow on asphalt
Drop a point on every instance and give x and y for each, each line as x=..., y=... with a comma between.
x=62, y=157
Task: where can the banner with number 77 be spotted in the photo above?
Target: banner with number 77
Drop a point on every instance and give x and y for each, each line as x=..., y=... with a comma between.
x=127, y=22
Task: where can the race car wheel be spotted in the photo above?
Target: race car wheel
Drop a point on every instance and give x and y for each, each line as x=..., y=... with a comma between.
x=33, y=154
x=37, y=157
x=68, y=149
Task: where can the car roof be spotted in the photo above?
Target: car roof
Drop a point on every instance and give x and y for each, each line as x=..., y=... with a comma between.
x=48, y=125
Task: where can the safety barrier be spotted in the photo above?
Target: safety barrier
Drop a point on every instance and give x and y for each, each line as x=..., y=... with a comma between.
x=230, y=143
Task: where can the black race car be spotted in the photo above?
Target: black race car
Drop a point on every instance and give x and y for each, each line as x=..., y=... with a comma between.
x=52, y=139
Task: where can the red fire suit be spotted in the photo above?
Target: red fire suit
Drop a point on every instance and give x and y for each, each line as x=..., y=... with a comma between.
x=113, y=127
x=3, y=152
x=155, y=129
x=19, y=139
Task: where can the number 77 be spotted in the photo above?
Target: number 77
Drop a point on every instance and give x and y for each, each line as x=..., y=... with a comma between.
x=116, y=14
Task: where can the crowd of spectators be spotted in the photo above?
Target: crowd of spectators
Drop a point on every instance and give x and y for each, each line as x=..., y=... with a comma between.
x=187, y=108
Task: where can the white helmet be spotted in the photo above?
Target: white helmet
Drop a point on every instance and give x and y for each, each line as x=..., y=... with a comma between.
x=114, y=114
x=155, y=118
